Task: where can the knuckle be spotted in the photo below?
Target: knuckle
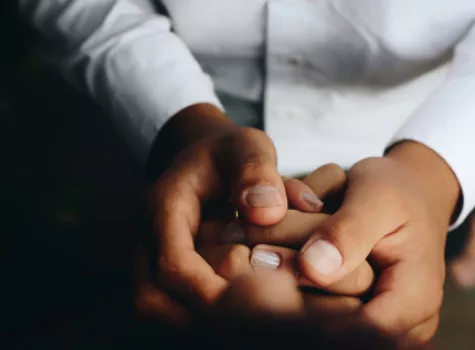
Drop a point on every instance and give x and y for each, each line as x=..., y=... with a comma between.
x=342, y=227
x=236, y=261
x=253, y=162
x=169, y=269
x=349, y=230
x=207, y=296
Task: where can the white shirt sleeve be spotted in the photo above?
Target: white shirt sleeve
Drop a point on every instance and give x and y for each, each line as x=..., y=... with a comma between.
x=125, y=56
x=446, y=122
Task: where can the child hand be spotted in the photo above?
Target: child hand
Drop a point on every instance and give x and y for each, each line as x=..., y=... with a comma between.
x=396, y=212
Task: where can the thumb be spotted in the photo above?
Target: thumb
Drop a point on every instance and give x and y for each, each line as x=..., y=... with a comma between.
x=248, y=159
x=344, y=241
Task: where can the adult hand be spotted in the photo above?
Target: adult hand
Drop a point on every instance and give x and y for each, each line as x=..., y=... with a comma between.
x=213, y=160
x=396, y=212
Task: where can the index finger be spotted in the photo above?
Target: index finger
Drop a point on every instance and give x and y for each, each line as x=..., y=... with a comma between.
x=307, y=194
x=178, y=196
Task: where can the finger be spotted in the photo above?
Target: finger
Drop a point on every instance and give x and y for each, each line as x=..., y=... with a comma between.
x=406, y=295
x=327, y=180
x=229, y=261
x=177, y=198
x=256, y=187
x=293, y=231
x=284, y=259
x=330, y=305
x=345, y=240
x=153, y=303
x=255, y=295
x=235, y=260
x=307, y=195
x=301, y=197
x=420, y=335
x=191, y=277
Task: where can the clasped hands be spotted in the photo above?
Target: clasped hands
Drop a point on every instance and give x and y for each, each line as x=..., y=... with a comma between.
x=395, y=213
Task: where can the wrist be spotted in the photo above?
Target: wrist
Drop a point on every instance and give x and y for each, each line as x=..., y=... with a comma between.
x=188, y=126
x=432, y=176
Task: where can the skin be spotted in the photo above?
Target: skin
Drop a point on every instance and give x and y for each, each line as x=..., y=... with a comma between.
x=232, y=261
x=404, y=240
x=290, y=233
x=395, y=212
x=462, y=268
x=268, y=311
x=210, y=159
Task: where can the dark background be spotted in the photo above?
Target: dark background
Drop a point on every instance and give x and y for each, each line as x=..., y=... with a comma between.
x=68, y=196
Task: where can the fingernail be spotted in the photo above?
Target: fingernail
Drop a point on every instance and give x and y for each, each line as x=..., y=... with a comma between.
x=263, y=196
x=324, y=257
x=233, y=233
x=265, y=259
x=313, y=200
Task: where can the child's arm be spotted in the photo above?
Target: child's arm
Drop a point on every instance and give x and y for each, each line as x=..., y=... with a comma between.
x=445, y=123
x=395, y=213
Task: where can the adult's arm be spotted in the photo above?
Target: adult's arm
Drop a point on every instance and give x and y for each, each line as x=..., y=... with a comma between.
x=124, y=55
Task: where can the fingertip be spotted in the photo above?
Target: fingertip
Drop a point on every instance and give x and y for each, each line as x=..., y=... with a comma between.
x=301, y=197
x=263, y=204
x=321, y=262
x=314, y=203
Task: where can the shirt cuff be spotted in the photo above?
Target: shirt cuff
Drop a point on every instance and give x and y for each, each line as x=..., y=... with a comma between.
x=446, y=124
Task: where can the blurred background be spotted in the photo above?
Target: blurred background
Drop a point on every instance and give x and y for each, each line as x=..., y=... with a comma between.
x=69, y=193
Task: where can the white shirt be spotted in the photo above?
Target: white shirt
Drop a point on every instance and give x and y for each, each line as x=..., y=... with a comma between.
x=340, y=80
